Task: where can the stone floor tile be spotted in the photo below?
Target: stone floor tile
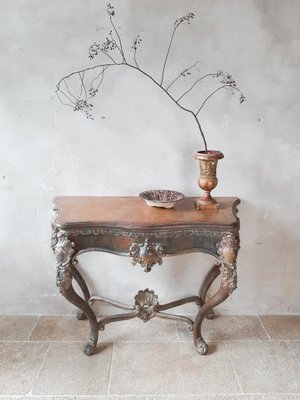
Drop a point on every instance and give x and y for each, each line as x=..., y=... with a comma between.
x=19, y=366
x=16, y=327
x=68, y=328
x=170, y=368
x=295, y=348
x=39, y=398
x=208, y=397
x=226, y=328
x=108, y=397
x=281, y=397
x=60, y=328
x=265, y=367
x=136, y=330
x=68, y=371
x=282, y=327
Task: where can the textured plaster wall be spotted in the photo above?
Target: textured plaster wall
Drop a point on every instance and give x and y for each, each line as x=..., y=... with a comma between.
x=140, y=140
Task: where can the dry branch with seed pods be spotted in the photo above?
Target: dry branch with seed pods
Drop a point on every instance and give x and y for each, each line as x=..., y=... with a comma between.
x=78, y=89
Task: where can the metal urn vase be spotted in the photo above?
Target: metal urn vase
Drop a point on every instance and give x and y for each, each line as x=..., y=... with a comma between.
x=208, y=178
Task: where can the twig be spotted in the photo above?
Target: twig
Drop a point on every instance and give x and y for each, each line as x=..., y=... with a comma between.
x=117, y=33
x=182, y=74
x=67, y=87
x=208, y=97
x=178, y=22
x=167, y=55
x=194, y=84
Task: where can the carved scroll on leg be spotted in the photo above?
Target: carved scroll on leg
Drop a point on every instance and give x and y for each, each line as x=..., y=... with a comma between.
x=64, y=251
x=227, y=250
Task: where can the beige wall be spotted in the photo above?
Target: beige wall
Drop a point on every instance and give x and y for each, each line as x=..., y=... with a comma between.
x=145, y=142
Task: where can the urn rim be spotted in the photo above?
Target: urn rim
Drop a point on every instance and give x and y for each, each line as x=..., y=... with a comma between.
x=209, y=155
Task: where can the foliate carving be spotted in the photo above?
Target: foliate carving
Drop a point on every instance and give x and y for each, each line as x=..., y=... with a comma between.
x=228, y=250
x=54, y=239
x=146, y=254
x=64, y=251
x=145, y=303
x=54, y=230
x=208, y=168
x=170, y=233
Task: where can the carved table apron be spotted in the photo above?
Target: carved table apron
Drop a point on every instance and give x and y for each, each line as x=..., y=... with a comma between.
x=127, y=226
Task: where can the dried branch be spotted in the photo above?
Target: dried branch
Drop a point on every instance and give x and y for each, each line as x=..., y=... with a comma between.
x=82, y=102
x=177, y=23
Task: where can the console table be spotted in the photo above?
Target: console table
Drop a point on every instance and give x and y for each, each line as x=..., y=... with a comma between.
x=126, y=226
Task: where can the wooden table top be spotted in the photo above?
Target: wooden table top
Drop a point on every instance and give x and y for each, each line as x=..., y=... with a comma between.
x=133, y=213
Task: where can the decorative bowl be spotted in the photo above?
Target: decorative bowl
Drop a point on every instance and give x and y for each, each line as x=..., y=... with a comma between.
x=161, y=198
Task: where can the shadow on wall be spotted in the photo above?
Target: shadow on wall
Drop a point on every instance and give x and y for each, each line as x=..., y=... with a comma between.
x=267, y=260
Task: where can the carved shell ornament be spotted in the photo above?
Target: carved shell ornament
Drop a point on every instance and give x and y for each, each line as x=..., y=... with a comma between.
x=145, y=302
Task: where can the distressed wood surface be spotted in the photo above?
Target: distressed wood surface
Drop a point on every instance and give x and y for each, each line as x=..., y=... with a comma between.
x=132, y=212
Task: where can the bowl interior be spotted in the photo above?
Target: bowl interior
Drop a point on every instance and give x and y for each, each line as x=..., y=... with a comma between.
x=162, y=196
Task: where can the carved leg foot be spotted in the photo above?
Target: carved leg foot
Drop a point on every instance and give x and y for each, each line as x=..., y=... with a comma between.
x=210, y=314
x=81, y=316
x=201, y=346
x=70, y=294
x=89, y=348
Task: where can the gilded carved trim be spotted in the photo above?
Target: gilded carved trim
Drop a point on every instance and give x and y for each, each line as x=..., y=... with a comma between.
x=54, y=230
x=146, y=254
x=227, y=249
x=64, y=251
x=208, y=168
x=163, y=234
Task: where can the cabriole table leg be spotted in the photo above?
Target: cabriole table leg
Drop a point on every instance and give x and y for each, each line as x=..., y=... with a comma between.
x=210, y=277
x=83, y=286
x=227, y=250
x=64, y=252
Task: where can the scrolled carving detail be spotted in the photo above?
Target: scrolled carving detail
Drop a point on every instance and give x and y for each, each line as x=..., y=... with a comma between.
x=54, y=238
x=145, y=303
x=227, y=250
x=64, y=251
x=172, y=233
x=54, y=230
x=146, y=254
x=208, y=168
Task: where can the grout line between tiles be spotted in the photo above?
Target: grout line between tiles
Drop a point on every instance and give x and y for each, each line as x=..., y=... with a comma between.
x=264, y=327
x=111, y=366
x=148, y=341
x=144, y=397
x=38, y=373
x=286, y=342
x=234, y=371
x=34, y=326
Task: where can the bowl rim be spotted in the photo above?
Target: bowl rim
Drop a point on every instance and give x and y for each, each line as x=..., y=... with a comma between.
x=143, y=195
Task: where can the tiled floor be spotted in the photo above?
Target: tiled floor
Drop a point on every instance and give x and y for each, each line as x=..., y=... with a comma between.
x=250, y=358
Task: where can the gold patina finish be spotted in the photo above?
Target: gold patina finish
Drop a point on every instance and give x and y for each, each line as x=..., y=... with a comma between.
x=208, y=177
